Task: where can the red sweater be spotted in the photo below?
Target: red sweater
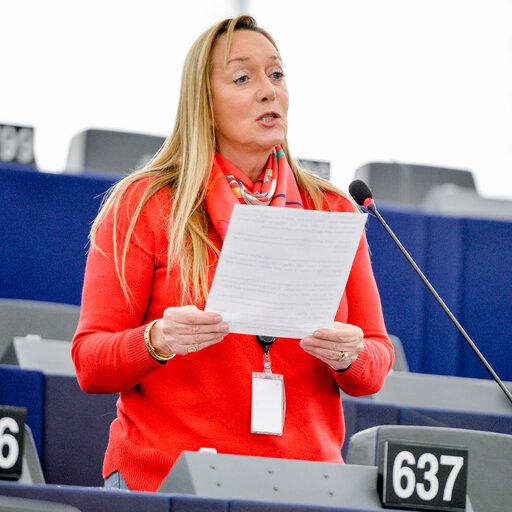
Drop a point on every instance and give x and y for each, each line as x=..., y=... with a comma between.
x=204, y=399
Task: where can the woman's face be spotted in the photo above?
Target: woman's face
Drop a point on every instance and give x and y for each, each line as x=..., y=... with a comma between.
x=250, y=97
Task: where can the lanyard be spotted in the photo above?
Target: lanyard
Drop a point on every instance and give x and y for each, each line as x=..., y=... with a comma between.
x=265, y=342
x=268, y=402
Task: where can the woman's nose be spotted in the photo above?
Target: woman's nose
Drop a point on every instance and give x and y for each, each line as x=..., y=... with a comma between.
x=267, y=91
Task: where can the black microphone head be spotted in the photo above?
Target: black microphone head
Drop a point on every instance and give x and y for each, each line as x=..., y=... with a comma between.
x=360, y=192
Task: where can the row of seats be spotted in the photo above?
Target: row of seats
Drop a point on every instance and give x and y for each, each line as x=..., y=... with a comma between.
x=70, y=428
x=119, y=152
x=52, y=357
x=480, y=402
x=439, y=190
x=72, y=453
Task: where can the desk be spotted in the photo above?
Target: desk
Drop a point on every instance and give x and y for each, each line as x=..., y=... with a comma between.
x=100, y=500
x=71, y=427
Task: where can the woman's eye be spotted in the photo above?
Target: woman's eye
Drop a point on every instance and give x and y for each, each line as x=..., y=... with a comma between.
x=277, y=75
x=241, y=79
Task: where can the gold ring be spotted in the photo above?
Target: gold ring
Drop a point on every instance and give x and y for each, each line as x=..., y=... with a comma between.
x=342, y=355
x=192, y=348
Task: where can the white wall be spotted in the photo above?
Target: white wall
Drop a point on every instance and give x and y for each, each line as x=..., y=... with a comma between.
x=421, y=81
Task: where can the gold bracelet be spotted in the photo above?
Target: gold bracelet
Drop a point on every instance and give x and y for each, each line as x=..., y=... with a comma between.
x=151, y=349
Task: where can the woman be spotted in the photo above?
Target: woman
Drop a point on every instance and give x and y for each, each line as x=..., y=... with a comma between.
x=185, y=380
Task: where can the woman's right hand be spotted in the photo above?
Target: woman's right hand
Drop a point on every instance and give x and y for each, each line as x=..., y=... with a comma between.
x=187, y=329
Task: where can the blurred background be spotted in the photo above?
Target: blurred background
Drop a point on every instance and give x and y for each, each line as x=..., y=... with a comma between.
x=411, y=81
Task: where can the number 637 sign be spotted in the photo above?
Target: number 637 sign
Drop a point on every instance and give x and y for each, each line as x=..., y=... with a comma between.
x=425, y=477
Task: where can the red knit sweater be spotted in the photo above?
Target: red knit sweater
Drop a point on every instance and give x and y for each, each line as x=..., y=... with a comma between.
x=204, y=399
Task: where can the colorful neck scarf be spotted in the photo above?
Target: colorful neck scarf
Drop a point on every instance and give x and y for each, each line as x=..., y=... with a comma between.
x=228, y=185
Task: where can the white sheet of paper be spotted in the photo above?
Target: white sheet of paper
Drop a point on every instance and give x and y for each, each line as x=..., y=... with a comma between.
x=282, y=271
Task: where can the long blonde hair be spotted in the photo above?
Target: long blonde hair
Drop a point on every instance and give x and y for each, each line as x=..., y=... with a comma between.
x=183, y=164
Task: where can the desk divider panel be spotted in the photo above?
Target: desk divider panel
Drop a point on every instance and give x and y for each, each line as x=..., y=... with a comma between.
x=487, y=299
x=429, y=417
x=16, y=504
x=76, y=431
x=25, y=388
x=101, y=500
x=443, y=268
x=87, y=499
x=401, y=290
x=257, y=506
x=45, y=223
x=363, y=413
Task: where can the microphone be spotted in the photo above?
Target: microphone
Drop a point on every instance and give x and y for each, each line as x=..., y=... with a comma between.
x=362, y=195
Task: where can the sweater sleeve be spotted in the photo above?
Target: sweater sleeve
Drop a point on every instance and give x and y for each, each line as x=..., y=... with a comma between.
x=108, y=348
x=366, y=375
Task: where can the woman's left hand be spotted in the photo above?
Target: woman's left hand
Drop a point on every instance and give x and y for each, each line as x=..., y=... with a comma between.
x=338, y=345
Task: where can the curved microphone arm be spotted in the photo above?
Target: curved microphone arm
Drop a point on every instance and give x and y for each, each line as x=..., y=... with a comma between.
x=363, y=196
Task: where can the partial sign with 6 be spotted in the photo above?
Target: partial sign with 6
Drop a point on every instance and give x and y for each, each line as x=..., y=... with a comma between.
x=12, y=429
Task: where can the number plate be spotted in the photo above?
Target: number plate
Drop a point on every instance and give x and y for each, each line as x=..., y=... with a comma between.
x=12, y=430
x=17, y=144
x=424, y=476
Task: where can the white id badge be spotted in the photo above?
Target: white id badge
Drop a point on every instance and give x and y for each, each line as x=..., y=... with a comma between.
x=268, y=404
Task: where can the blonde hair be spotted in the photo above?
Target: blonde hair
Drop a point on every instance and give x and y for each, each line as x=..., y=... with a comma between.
x=183, y=164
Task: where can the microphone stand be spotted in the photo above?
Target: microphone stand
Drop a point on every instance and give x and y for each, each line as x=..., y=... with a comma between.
x=370, y=205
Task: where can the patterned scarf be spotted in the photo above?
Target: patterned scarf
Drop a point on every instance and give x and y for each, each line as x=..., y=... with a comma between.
x=228, y=185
